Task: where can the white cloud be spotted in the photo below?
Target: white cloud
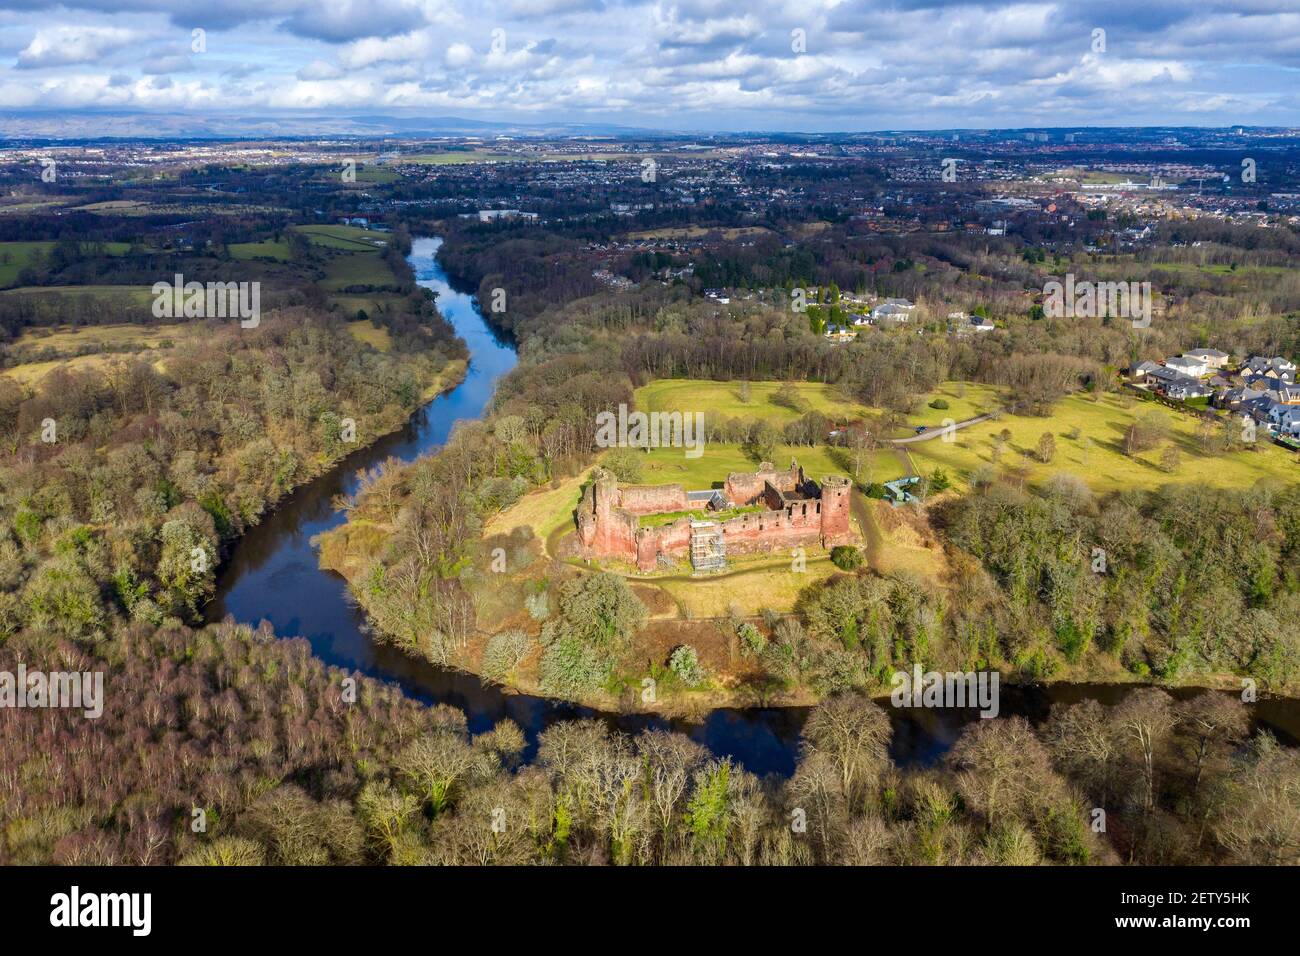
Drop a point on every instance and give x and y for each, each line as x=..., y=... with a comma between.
x=66, y=45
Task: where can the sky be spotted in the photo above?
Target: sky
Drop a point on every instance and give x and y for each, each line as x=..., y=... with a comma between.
x=696, y=65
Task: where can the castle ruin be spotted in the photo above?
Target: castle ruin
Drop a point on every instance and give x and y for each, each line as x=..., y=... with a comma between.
x=785, y=509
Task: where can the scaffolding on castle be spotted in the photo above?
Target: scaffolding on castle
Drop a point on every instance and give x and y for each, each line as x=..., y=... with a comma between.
x=708, y=547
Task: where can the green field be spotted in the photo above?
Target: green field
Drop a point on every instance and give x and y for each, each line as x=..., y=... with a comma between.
x=724, y=399
x=266, y=249
x=348, y=238
x=16, y=256
x=671, y=466
x=456, y=158
x=1097, y=454
x=362, y=268
x=137, y=293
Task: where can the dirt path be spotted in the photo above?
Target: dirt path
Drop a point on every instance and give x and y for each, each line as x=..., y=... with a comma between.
x=875, y=541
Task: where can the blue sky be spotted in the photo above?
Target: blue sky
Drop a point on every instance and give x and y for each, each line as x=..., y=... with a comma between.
x=798, y=65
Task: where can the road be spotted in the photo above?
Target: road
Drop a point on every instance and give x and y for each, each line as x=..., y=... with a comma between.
x=936, y=432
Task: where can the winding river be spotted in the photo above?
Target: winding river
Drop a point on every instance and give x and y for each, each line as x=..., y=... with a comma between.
x=273, y=575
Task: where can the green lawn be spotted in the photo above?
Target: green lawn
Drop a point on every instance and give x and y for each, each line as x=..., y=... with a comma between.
x=1097, y=455
x=671, y=466
x=267, y=249
x=965, y=400
x=724, y=399
x=360, y=268
x=349, y=238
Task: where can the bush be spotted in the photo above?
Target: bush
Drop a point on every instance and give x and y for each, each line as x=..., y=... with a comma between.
x=752, y=641
x=625, y=464
x=570, y=667
x=939, y=403
x=685, y=663
x=504, y=652
x=939, y=481
x=846, y=557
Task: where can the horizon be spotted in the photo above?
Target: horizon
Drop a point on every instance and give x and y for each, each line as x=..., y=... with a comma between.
x=683, y=67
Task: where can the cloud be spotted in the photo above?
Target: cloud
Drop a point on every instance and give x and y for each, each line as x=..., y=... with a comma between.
x=66, y=45
x=701, y=63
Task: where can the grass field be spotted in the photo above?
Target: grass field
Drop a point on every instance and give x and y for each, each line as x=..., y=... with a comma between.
x=363, y=331
x=543, y=511
x=965, y=400
x=140, y=294
x=16, y=256
x=1097, y=454
x=349, y=238
x=723, y=399
x=750, y=584
x=109, y=337
x=361, y=268
x=457, y=158
x=373, y=304
x=671, y=466
x=266, y=249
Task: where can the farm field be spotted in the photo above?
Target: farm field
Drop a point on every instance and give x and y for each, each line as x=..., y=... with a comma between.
x=110, y=337
x=266, y=249
x=141, y=294
x=350, y=238
x=1097, y=454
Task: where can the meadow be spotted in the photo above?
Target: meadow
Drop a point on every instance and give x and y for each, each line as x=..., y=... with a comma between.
x=1089, y=437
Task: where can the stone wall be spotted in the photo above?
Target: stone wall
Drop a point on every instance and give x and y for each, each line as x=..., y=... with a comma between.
x=608, y=516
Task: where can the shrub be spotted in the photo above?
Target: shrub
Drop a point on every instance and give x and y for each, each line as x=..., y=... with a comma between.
x=939, y=403
x=685, y=663
x=625, y=463
x=846, y=557
x=570, y=667
x=752, y=641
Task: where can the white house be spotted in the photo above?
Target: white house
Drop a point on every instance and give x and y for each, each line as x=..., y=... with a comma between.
x=1194, y=368
x=899, y=310
x=1211, y=358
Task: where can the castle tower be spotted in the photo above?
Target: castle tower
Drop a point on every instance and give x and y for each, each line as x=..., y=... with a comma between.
x=835, y=510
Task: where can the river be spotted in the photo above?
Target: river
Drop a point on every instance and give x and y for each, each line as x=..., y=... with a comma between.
x=273, y=574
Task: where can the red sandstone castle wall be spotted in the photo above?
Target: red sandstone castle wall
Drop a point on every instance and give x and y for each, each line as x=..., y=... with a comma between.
x=608, y=526
x=653, y=499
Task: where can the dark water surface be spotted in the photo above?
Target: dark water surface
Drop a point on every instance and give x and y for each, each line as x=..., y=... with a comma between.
x=273, y=575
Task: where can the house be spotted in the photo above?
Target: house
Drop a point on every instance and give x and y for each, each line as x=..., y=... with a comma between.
x=1174, y=384
x=838, y=333
x=1275, y=367
x=1192, y=368
x=899, y=310
x=1141, y=370
x=1234, y=398
x=961, y=323
x=1210, y=358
